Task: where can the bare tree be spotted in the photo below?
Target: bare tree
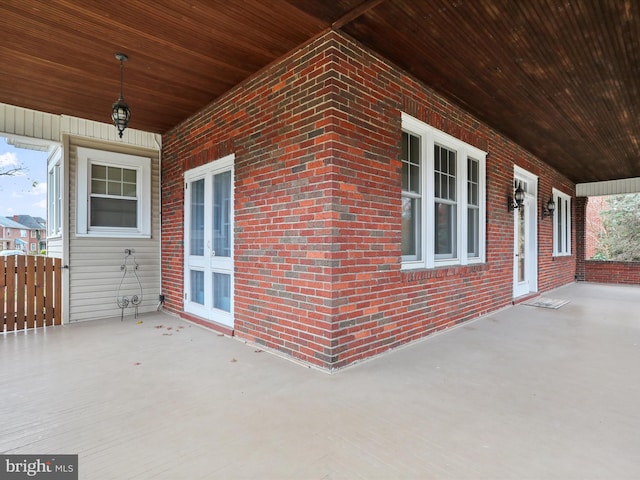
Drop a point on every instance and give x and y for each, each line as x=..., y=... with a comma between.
x=10, y=172
x=620, y=238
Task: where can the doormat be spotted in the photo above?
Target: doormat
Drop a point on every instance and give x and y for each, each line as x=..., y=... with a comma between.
x=546, y=303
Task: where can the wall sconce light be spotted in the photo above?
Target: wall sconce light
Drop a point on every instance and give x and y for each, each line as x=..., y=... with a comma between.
x=120, y=113
x=548, y=211
x=517, y=201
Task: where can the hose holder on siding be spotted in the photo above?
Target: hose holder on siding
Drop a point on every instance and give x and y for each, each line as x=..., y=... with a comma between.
x=124, y=301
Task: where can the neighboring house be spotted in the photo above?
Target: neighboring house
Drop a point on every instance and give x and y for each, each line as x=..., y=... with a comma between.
x=13, y=235
x=35, y=237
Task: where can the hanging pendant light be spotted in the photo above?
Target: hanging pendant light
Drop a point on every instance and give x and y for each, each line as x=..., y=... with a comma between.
x=120, y=113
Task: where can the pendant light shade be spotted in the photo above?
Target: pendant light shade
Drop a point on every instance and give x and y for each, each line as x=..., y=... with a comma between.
x=120, y=113
x=517, y=201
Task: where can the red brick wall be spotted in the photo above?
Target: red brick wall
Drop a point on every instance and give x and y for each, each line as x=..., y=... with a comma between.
x=627, y=273
x=580, y=209
x=280, y=127
x=317, y=207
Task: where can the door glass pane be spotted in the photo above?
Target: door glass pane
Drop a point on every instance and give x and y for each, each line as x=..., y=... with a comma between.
x=197, y=286
x=521, y=245
x=222, y=214
x=222, y=291
x=196, y=234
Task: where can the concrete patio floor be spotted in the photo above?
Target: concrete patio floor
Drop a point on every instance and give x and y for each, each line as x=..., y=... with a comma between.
x=525, y=393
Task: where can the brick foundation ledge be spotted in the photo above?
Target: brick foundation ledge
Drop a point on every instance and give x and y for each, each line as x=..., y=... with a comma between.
x=525, y=298
x=216, y=327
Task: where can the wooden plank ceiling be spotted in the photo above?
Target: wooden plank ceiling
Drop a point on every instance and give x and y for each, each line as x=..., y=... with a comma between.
x=560, y=77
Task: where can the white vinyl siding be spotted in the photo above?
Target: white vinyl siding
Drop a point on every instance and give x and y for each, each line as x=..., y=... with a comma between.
x=93, y=273
x=46, y=126
x=29, y=123
x=54, y=247
x=94, y=262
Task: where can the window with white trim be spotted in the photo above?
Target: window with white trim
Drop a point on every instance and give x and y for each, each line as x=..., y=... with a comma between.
x=443, y=198
x=561, y=224
x=54, y=194
x=114, y=194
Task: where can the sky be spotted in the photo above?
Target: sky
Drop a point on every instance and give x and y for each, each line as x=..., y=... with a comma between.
x=18, y=195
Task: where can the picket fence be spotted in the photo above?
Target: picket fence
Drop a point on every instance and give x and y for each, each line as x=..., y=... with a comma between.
x=30, y=292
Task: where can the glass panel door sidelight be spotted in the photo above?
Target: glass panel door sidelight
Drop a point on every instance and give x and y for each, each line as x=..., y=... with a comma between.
x=209, y=241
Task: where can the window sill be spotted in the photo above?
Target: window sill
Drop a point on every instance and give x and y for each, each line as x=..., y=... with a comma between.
x=442, y=272
x=112, y=235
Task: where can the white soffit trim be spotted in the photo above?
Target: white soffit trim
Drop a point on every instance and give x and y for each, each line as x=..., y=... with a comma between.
x=29, y=123
x=32, y=124
x=611, y=187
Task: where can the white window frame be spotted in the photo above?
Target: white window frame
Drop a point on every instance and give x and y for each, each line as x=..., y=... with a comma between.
x=86, y=158
x=54, y=194
x=562, y=214
x=429, y=137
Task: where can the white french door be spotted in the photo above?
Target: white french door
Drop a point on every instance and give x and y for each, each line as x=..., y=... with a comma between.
x=525, y=261
x=208, y=241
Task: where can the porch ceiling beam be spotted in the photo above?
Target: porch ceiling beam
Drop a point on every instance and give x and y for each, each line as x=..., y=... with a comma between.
x=355, y=13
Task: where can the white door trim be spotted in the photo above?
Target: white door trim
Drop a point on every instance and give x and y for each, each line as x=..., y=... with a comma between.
x=208, y=262
x=530, y=209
